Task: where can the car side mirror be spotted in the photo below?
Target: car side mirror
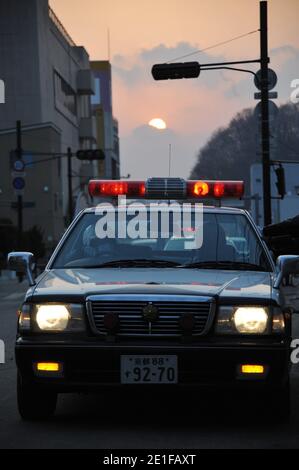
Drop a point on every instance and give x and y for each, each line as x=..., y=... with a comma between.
x=287, y=265
x=22, y=262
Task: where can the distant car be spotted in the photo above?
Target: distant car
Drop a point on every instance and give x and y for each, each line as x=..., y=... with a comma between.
x=156, y=311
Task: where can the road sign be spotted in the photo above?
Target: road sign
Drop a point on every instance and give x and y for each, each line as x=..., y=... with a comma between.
x=18, y=183
x=28, y=159
x=18, y=174
x=272, y=79
x=273, y=110
x=19, y=166
x=272, y=95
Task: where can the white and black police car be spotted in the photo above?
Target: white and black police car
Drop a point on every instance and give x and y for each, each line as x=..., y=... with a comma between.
x=144, y=296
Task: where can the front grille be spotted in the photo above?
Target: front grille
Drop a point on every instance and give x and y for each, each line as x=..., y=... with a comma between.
x=132, y=323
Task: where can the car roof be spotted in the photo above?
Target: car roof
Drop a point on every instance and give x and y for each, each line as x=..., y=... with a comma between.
x=207, y=209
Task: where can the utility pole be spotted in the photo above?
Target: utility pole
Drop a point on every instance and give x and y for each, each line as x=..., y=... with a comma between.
x=169, y=160
x=70, y=185
x=180, y=70
x=265, y=132
x=19, y=196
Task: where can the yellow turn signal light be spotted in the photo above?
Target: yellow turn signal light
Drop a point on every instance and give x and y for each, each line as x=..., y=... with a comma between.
x=252, y=369
x=49, y=367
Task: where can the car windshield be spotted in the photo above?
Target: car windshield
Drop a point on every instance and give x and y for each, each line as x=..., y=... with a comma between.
x=225, y=241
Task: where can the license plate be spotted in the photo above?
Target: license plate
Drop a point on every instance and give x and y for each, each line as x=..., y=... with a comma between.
x=149, y=370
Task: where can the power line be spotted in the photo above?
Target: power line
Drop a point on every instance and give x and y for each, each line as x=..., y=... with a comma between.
x=198, y=51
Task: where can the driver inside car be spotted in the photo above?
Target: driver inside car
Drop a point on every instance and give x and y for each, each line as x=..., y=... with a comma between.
x=95, y=246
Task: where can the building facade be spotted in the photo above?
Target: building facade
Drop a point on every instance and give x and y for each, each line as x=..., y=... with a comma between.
x=48, y=87
x=106, y=124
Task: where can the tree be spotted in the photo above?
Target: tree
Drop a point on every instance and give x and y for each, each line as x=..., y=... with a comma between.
x=231, y=151
x=32, y=240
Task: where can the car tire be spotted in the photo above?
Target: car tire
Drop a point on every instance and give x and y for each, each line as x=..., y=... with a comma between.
x=33, y=402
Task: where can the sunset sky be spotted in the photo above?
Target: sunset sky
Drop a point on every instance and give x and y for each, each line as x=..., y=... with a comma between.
x=144, y=32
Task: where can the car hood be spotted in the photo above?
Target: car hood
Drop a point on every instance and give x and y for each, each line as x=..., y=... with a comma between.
x=75, y=284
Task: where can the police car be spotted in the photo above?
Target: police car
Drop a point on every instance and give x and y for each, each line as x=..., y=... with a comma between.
x=158, y=292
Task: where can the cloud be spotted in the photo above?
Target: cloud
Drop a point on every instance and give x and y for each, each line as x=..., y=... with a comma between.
x=192, y=109
x=145, y=152
x=284, y=61
x=137, y=69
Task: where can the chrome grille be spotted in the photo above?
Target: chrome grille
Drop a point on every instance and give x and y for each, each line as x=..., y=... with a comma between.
x=132, y=323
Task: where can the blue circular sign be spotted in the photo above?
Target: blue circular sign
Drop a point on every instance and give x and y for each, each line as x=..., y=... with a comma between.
x=19, y=165
x=18, y=183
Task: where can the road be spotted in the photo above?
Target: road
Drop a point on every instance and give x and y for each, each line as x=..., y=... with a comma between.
x=133, y=422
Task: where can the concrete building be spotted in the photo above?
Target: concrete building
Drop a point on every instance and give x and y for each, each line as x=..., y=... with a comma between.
x=48, y=85
x=107, y=126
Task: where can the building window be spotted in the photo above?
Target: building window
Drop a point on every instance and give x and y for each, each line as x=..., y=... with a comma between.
x=96, y=98
x=65, y=96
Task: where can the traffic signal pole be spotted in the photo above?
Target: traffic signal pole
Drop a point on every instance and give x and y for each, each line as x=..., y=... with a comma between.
x=177, y=70
x=19, y=196
x=265, y=132
x=86, y=155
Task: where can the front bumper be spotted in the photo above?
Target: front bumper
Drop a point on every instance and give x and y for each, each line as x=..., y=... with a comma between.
x=91, y=366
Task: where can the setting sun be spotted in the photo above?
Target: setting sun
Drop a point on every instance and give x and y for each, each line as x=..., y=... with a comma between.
x=158, y=123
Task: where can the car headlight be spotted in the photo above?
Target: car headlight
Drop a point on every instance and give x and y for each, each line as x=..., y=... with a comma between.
x=50, y=317
x=249, y=320
x=252, y=320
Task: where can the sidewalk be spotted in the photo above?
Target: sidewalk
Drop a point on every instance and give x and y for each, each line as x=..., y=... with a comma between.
x=6, y=275
x=9, y=285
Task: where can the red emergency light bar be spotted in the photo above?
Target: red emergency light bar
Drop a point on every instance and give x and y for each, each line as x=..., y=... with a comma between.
x=108, y=188
x=202, y=189
x=215, y=189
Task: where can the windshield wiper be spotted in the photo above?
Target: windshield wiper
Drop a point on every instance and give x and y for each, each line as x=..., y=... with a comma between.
x=233, y=265
x=137, y=262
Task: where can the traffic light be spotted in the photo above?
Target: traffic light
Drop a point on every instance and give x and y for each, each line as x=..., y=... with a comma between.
x=280, y=183
x=91, y=154
x=176, y=71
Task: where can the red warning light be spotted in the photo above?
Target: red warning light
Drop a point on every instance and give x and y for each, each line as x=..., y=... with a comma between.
x=110, y=188
x=199, y=188
x=215, y=189
x=219, y=189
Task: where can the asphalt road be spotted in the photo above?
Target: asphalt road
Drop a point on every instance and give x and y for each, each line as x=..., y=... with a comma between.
x=139, y=421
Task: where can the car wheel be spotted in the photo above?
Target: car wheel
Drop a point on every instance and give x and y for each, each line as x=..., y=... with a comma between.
x=33, y=402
